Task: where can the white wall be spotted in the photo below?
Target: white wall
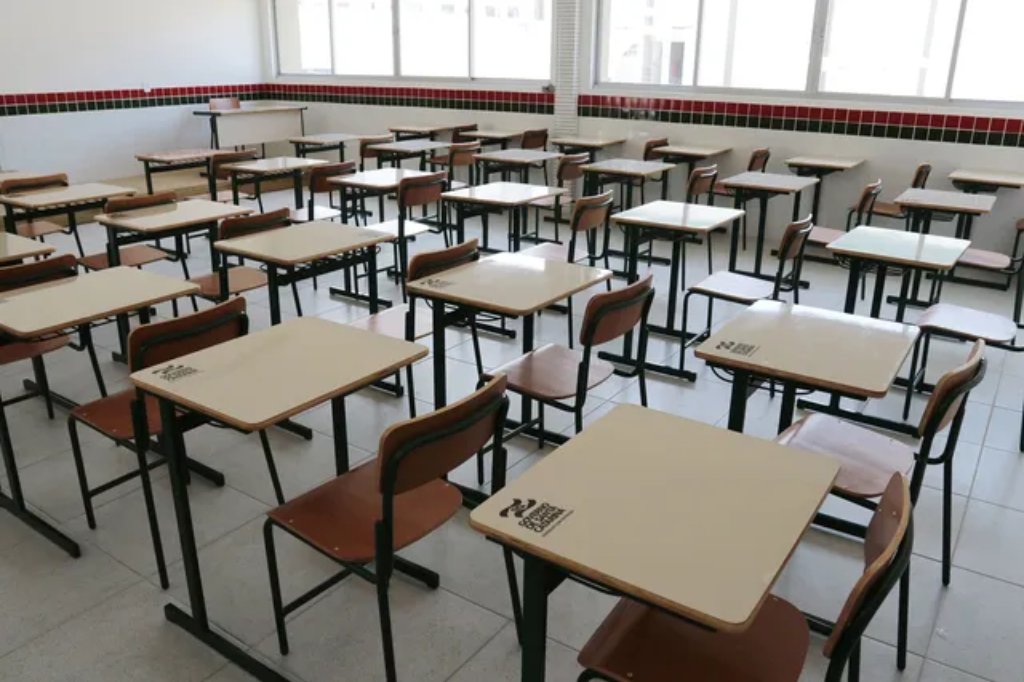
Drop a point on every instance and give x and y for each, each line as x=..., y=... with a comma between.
x=74, y=45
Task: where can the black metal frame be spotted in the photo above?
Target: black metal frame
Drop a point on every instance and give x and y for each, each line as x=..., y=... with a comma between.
x=213, y=116
x=741, y=196
x=303, y=149
x=151, y=168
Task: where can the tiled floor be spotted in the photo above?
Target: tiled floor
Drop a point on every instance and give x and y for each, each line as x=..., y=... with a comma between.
x=99, y=619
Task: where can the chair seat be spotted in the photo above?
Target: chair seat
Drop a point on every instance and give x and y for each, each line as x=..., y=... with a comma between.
x=548, y=251
x=391, y=322
x=112, y=416
x=550, y=372
x=33, y=229
x=340, y=516
x=412, y=228
x=735, y=287
x=301, y=215
x=887, y=209
x=823, y=236
x=439, y=160
x=721, y=190
x=867, y=459
x=637, y=643
x=18, y=350
x=985, y=260
x=240, y=280
x=131, y=256
x=968, y=323
x=549, y=202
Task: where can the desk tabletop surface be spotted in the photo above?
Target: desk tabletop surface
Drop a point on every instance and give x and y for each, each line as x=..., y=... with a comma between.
x=277, y=164
x=14, y=248
x=822, y=348
x=172, y=216
x=518, y=156
x=55, y=306
x=503, y=193
x=905, y=248
x=695, y=519
x=946, y=200
x=770, y=182
x=697, y=151
x=510, y=283
x=261, y=379
x=988, y=177
x=411, y=146
x=303, y=243
x=178, y=155
x=422, y=129
x=382, y=178
x=628, y=167
x=675, y=215
x=331, y=138
x=588, y=142
x=492, y=134
x=253, y=108
x=75, y=194
x=825, y=162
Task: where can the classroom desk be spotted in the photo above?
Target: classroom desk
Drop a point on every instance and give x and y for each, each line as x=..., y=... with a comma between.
x=413, y=132
x=395, y=152
x=763, y=187
x=508, y=284
x=180, y=159
x=973, y=181
x=255, y=123
x=489, y=137
x=693, y=530
x=309, y=250
x=60, y=308
x=820, y=167
x=67, y=201
x=513, y=196
x=14, y=248
x=590, y=145
x=689, y=154
x=673, y=221
x=329, y=142
x=261, y=169
x=906, y=250
x=805, y=347
x=521, y=159
x=251, y=383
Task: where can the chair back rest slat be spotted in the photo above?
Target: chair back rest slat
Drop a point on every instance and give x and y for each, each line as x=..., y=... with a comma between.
x=254, y=224
x=141, y=201
x=951, y=390
x=38, y=272
x=535, y=139
x=426, y=448
x=463, y=153
x=319, y=175
x=33, y=184
x=921, y=176
x=429, y=263
x=364, y=146
x=458, y=135
x=159, y=342
x=651, y=145
x=866, y=203
x=224, y=103
x=611, y=314
x=220, y=159
x=702, y=182
x=591, y=212
x=759, y=160
x=794, y=239
x=426, y=189
x=570, y=167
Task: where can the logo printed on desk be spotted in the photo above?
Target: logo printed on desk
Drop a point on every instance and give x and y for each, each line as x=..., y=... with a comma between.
x=173, y=373
x=736, y=348
x=435, y=283
x=540, y=518
x=518, y=508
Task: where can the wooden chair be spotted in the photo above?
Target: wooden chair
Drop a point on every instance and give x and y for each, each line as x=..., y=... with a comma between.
x=758, y=163
x=413, y=192
x=569, y=169
x=459, y=133
x=366, y=515
x=997, y=263
x=861, y=214
x=702, y=184
x=38, y=229
x=318, y=176
x=648, y=155
x=887, y=209
x=641, y=643
x=589, y=214
x=367, y=154
x=224, y=103
x=459, y=155
x=216, y=173
x=536, y=139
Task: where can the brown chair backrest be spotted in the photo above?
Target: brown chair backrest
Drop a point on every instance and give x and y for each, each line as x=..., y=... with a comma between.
x=254, y=224
x=224, y=103
x=921, y=176
x=318, y=175
x=33, y=184
x=426, y=448
x=759, y=160
x=885, y=534
x=457, y=133
x=38, y=272
x=462, y=153
x=535, y=139
x=428, y=263
x=426, y=189
x=794, y=239
x=651, y=145
x=158, y=342
x=364, y=146
x=866, y=203
x=570, y=167
x=702, y=181
x=224, y=158
x=140, y=201
x=591, y=212
x=950, y=392
x=611, y=314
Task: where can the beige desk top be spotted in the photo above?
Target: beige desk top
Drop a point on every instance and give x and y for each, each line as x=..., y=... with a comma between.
x=52, y=307
x=510, y=283
x=674, y=215
x=331, y=138
x=14, y=248
x=172, y=216
x=504, y=193
x=261, y=379
x=410, y=146
x=520, y=156
x=588, y=142
x=421, y=129
x=770, y=182
x=630, y=167
x=279, y=164
x=254, y=108
x=75, y=194
x=178, y=155
x=492, y=134
x=989, y=177
x=382, y=178
x=693, y=518
x=303, y=243
x=826, y=162
x=691, y=150
x=944, y=200
x=896, y=246
x=854, y=354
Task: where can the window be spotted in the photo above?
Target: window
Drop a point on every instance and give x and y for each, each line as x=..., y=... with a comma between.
x=517, y=46
x=434, y=38
x=363, y=37
x=649, y=41
x=989, y=54
x=303, y=36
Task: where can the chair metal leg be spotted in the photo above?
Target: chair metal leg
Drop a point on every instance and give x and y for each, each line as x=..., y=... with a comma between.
x=269, y=454
x=947, y=519
x=83, y=480
x=568, y=320
x=39, y=368
x=154, y=522
x=298, y=303
x=385, y=630
x=912, y=380
x=902, y=623
x=85, y=335
x=476, y=343
x=275, y=587
x=411, y=389
x=513, y=589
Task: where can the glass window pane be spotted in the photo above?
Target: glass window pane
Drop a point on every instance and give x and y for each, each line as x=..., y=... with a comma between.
x=363, y=38
x=512, y=39
x=648, y=41
x=756, y=44
x=906, y=54
x=434, y=37
x=303, y=36
x=989, y=54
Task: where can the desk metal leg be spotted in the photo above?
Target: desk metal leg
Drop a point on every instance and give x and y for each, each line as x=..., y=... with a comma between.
x=440, y=370
x=275, y=294
x=340, y=426
x=852, y=285
x=535, y=619
x=149, y=177
x=234, y=188
x=297, y=182
x=738, y=400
